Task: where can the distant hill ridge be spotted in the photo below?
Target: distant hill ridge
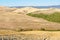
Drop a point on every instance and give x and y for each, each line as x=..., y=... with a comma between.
x=54, y=6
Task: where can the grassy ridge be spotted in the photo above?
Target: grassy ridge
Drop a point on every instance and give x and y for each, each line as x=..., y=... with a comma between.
x=54, y=17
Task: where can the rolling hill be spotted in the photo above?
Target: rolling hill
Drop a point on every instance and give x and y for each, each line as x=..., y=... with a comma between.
x=17, y=20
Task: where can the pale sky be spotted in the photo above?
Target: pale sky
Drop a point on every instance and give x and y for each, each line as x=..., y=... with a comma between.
x=29, y=2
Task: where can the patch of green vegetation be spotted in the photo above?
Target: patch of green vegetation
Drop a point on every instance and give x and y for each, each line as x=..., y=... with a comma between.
x=54, y=17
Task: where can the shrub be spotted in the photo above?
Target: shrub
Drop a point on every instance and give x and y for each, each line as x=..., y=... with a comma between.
x=43, y=29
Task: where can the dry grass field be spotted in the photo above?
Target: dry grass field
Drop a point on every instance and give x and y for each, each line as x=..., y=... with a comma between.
x=31, y=35
x=14, y=21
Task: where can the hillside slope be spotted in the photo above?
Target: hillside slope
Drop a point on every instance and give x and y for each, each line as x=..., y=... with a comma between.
x=20, y=21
